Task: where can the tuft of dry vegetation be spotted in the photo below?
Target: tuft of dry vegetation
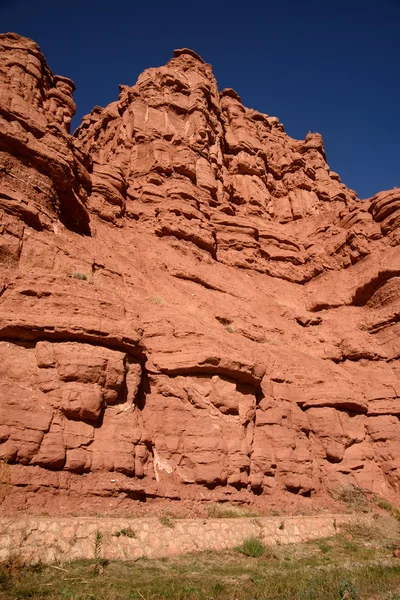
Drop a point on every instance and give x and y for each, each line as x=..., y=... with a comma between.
x=156, y=300
x=351, y=495
x=227, y=511
x=167, y=521
x=5, y=478
x=384, y=504
x=125, y=532
x=393, y=510
x=81, y=276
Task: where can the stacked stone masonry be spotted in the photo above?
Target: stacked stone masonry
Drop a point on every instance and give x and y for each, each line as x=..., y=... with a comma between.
x=46, y=540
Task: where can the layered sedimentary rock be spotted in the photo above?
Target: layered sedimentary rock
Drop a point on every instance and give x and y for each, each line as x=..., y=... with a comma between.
x=192, y=304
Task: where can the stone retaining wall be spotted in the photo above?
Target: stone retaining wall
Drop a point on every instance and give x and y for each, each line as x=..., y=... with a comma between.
x=47, y=540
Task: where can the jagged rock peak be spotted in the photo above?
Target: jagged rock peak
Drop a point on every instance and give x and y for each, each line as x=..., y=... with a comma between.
x=37, y=108
x=188, y=52
x=230, y=93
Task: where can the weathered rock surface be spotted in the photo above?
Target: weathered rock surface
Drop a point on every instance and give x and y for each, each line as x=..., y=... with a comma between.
x=192, y=305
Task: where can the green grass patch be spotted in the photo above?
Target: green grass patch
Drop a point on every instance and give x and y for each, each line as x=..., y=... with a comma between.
x=252, y=546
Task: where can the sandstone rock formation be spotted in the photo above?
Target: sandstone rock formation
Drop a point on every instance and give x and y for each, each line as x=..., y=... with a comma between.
x=192, y=304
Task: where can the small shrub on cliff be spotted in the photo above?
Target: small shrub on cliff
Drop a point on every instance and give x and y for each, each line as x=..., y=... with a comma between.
x=384, y=504
x=167, y=521
x=5, y=478
x=252, y=546
x=81, y=276
x=156, y=300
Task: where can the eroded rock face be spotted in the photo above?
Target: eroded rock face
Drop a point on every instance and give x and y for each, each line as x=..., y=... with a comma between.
x=192, y=305
x=44, y=174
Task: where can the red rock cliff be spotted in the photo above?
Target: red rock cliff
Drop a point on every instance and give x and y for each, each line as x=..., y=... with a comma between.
x=192, y=304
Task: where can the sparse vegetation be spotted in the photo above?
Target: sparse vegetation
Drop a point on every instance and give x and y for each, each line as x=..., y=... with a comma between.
x=252, y=547
x=167, y=521
x=156, y=300
x=98, y=543
x=81, y=276
x=5, y=478
x=227, y=511
x=8, y=570
x=351, y=495
x=393, y=510
x=384, y=504
x=347, y=590
x=5, y=580
x=360, y=531
x=126, y=532
x=324, y=547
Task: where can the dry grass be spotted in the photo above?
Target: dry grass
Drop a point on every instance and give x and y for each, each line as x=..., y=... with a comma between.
x=227, y=511
x=351, y=495
x=81, y=276
x=5, y=478
x=167, y=520
x=384, y=504
x=156, y=300
x=125, y=532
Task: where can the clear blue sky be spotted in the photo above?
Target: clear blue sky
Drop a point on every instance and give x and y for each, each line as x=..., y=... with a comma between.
x=331, y=67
